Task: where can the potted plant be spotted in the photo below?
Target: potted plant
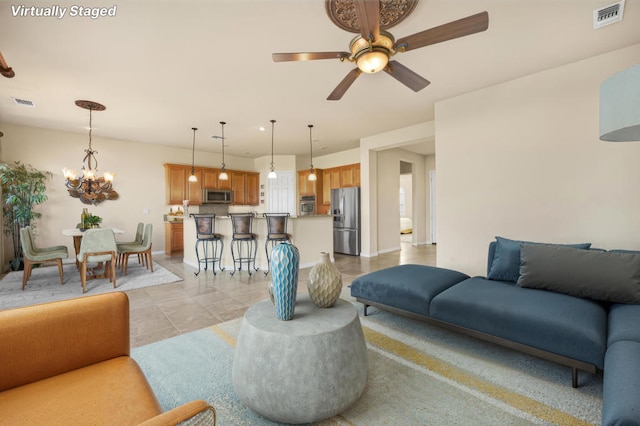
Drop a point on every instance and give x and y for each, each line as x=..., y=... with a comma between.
x=93, y=221
x=23, y=187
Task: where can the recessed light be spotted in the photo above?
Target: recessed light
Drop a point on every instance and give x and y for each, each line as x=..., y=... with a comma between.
x=262, y=129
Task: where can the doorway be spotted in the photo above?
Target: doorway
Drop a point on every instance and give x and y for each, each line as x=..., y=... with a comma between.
x=406, y=202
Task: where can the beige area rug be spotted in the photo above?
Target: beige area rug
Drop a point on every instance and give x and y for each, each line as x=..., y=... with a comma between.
x=418, y=375
x=44, y=284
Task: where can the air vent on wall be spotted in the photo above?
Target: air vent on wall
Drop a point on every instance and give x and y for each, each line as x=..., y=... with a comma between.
x=608, y=15
x=24, y=102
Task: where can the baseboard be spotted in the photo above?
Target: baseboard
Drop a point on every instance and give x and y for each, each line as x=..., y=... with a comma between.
x=389, y=250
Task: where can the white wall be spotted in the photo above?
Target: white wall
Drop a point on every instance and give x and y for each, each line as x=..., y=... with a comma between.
x=523, y=160
x=342, y=158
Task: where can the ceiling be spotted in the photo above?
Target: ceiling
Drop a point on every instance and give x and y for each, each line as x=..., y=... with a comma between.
x=162, y=67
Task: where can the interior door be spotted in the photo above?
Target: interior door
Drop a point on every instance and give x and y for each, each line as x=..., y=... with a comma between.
x=282, y=193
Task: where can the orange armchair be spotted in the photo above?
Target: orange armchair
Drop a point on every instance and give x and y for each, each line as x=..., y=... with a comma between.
x=68, y=363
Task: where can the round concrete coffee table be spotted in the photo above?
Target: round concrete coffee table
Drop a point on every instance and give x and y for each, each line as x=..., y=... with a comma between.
x=304, y=370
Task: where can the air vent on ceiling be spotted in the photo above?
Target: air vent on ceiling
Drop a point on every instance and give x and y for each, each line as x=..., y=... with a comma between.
x=24, y=102
x=608, y=15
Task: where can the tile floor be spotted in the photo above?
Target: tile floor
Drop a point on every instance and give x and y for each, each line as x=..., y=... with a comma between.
x=171, y=309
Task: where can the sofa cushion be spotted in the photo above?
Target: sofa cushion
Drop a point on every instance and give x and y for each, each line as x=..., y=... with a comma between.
x=506, y=259
x=554, y=322
x=407, y=287
x=621, y=385
x=113, y=392
x=607, y=276
x=623, y=323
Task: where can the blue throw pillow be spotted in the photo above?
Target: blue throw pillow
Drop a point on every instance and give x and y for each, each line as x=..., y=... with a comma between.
x=506, y=261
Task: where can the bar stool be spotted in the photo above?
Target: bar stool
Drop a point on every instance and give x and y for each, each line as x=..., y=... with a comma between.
x=207, y=238
x=276, y=232
x=244, y=243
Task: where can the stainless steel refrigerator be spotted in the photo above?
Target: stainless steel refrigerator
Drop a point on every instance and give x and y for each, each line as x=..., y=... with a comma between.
x=345, y=207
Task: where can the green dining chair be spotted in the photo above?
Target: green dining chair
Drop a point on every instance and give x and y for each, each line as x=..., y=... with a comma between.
x=97, y=246
x=143, y=250
x=137, y=240
x=33, y=255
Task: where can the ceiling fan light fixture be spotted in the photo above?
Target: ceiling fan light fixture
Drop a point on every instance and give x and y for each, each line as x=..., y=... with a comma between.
x=372, y=56
x=372, y=62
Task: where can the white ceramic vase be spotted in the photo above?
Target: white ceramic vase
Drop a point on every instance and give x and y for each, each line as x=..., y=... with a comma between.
x=325, y=282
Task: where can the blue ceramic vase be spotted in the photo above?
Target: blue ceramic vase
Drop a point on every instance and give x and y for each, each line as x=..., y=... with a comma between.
x=284, y=265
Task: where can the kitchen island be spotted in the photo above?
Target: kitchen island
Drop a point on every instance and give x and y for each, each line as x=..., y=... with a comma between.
x=311, y=234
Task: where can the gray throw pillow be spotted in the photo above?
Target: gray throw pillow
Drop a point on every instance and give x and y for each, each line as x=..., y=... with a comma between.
x=506, y=259
x=607, y=276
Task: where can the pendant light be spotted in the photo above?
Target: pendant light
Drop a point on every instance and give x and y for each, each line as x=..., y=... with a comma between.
x=223, y=174
x=312, y=174
x=272, y=173
x=193, y=177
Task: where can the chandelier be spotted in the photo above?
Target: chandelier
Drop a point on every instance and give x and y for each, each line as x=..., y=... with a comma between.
x=88, y=186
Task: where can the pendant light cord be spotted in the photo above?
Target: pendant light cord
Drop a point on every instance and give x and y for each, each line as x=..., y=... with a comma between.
x=272, y=131
x=193, y=150
x=311, y=145
x=222, y=123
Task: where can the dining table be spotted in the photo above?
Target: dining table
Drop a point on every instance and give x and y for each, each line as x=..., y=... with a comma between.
x=77, y=234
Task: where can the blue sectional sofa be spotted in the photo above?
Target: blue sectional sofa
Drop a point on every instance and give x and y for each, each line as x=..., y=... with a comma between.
x=569, y=304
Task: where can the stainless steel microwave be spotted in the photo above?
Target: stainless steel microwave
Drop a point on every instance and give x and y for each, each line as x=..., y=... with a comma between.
x=217, y=196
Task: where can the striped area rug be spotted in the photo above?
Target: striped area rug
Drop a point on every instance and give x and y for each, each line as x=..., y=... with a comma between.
x=418, y=375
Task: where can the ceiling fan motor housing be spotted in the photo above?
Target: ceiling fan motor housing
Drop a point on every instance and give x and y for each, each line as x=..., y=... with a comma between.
x=372, y=56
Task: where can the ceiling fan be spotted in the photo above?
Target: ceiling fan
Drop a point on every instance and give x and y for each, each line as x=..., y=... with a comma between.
x=373, y=48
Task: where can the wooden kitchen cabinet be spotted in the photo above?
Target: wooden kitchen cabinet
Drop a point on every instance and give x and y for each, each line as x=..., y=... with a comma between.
x=173, y=238
x=253, y=189
x=330, y=180
x=225, y=184
x=341, y=177
x=246, y=188
x=238, y=183
x=326, y=189
x=175, y=183
x=210, y=179
x=346, y=177
x=309, y=187
x=194, y=189
x=356, y=174
x=246, y=185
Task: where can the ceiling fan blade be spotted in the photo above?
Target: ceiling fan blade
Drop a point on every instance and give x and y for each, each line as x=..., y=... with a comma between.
x=405, y=76
x=308, y=56
x=5, y=69
x=344, y=85
x=368, y=13
x=460, y=28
